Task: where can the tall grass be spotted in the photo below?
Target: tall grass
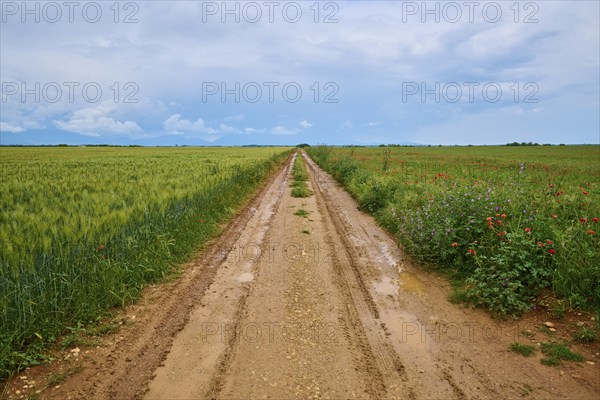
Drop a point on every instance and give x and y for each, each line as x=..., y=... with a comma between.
x=83, y=230
x=512, y=220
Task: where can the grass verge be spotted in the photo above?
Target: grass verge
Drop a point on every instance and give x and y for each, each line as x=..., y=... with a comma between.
x=300, y=175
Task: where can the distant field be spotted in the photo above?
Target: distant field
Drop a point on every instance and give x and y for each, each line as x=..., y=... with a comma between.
x=508, y=220
x=83, y=229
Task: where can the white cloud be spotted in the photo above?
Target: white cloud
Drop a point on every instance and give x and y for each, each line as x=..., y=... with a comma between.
x=6, y=127
x=280, y=130
x=97, y=120
x=228, y=129
x=250, y=131
x=305, y=124
x=175, y=123
x=373, y=123
x=283, y=131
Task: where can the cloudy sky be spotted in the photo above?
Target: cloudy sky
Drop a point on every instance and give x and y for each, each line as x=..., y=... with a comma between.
x=278, y=72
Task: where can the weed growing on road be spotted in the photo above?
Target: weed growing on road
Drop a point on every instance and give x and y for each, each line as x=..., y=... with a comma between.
x=556, y=352
x=586, y=334
x=301, y=213
x=300, y=175
x=59, y=377
x=525, y=350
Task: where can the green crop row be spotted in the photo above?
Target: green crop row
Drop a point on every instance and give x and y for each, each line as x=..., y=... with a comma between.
x=85, y=229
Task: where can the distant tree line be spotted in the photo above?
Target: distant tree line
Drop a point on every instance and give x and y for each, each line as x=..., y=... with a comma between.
x=530, y=144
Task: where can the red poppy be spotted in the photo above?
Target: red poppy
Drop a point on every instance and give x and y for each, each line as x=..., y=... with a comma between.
x=551, y=185
x=497, y=215
x=454, y=244
x=591, y=232
x=558, y=193
x=554, y=216
x=471, y=251
x=583, y=220
x=549, y=241
x=552, y=251
x=503, y=216
x=528, y=230
x=101, y=247
x=488, y=219
x=501, y=234
x=499, y=222
x=584, y=192
x=595, y=220
x=541, y=244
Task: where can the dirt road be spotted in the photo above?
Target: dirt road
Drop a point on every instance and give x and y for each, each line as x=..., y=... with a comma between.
x=308, y=298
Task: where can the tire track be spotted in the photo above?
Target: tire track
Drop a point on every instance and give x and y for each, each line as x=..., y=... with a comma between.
x=381, y=361
x=195, y=366
x=216, y=383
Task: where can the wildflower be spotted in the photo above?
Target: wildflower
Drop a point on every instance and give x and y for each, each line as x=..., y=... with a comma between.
x=558, y=193
x=551, y=185
x=591, y=232
x=471, y=252
x=595, y=220
x=549, y=241
x=554, y=216
x=501, y=234
x=503, y=216
x=552, y=252
x=527, y=230
x=101, y=247
x=454, y=244
x=541, y=244
x=583, y=220
x=584, y=192
x=497, y=215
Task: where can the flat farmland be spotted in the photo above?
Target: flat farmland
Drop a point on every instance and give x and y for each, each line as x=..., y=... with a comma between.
x=510, y=220
x=84, y=229
x=325, y=284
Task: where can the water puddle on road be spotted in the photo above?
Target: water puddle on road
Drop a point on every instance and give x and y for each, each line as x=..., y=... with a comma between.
x=411, y=283
x=386, y=286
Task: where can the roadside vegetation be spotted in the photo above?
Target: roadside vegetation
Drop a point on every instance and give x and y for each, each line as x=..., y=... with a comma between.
x=503, y=222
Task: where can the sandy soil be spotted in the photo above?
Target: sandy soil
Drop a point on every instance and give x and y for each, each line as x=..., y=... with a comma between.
x=318, y=306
